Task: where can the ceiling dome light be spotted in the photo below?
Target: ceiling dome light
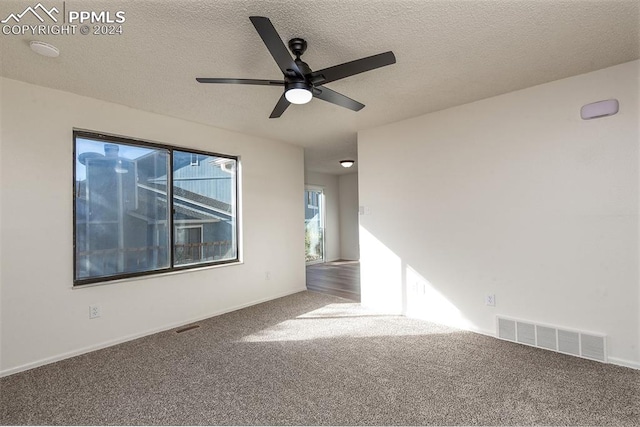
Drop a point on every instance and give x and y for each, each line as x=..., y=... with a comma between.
x=347, y=163
x=44, y=49
x=298, y=96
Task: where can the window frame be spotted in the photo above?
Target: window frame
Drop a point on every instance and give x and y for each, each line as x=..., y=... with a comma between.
x=109, y=138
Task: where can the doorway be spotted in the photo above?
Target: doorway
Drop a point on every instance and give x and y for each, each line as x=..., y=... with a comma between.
x=314, y=217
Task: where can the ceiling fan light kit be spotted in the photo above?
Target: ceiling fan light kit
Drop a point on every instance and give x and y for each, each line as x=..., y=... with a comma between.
x=298, y=93
x=301, y=84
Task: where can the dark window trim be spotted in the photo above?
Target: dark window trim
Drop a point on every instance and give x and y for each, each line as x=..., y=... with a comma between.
x=78, y=133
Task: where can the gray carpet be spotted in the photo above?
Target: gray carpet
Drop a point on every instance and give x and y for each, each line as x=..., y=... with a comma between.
x=312, y=359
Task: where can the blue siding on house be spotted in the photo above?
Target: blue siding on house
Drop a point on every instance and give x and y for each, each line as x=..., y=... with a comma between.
x=205, y=177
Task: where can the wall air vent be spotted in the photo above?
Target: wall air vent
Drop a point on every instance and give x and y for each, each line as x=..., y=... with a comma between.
x=563, y=340
x=507, y=329
x=593, y=347
x=526, y=333
x=569, y=342
x=547, y=337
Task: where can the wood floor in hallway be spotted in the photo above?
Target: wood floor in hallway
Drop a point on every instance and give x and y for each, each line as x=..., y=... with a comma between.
x=339, y=278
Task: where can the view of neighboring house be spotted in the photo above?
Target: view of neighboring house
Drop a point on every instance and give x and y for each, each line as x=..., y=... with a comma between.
x=123, y=205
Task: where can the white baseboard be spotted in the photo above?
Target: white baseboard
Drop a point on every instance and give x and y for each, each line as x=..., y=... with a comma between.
x=625, y=363
x=131, y=337
x=480, y=331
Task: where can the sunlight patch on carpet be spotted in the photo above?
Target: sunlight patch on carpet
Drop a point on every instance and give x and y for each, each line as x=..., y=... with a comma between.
x=344, y=320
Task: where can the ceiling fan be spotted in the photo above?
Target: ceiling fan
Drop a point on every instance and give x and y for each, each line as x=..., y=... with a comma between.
x=300, y=82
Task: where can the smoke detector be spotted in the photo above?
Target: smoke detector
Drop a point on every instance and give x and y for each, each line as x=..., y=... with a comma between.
x=44, y=49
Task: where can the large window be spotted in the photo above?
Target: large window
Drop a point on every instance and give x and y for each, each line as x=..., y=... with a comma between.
x=142, y=208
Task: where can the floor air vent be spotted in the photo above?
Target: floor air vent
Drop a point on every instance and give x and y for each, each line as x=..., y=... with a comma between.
x=187, y=328
x=581, y=344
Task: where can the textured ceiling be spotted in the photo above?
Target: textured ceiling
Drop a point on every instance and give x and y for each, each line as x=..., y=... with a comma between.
x=448, y=53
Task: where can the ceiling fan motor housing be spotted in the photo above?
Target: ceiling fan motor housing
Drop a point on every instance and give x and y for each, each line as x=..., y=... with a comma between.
x=298, y=46
x=294, y=80
x=301, y=84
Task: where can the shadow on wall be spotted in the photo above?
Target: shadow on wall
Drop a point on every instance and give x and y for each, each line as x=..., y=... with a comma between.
x=392, y=285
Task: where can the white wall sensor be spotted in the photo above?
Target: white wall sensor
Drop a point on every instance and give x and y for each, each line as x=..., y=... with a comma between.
x=599, y=109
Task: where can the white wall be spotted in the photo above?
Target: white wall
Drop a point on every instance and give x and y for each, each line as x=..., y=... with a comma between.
x=42, y=317
x=514, y=196
x=329, y=184
x=349, y=244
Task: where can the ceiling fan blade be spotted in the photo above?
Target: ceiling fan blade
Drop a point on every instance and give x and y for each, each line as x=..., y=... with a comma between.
x=241, y=81
x=334, y=97
x=282, y=105
x=274, y=43
x=347, y=69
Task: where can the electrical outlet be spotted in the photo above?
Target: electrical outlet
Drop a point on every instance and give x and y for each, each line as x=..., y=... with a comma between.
x=267, y=275
x=94, y=311
x=364, y=210
x=490, y=300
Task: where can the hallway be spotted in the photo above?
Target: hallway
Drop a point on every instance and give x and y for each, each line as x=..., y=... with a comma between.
x=338, y=278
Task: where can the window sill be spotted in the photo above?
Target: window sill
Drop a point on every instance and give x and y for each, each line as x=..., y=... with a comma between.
x=157, y=275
